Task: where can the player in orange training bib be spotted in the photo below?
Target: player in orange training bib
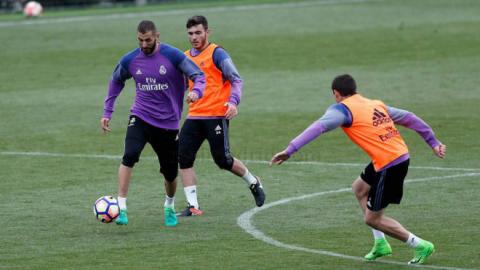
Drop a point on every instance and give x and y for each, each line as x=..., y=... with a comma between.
x=371, y=125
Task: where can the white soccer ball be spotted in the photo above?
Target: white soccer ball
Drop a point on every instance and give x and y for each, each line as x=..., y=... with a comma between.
x=106, y=209
x=33, y=9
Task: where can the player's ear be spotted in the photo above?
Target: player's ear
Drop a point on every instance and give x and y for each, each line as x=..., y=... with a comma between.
x=336, y=95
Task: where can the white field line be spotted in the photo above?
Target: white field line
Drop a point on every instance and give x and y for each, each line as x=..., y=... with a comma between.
x=244, y=221
x=177, y=12
x=316, y=163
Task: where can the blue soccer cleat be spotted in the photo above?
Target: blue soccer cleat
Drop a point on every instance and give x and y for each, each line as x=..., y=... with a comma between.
x=122, y=218
x=170, y=217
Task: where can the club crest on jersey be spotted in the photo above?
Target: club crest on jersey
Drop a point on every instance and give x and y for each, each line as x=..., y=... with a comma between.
x=162, y=70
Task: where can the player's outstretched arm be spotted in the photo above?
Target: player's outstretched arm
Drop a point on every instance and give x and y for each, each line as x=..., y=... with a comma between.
x=279, y=158
x=334, y=117
x=440, y=150
x=411, y=121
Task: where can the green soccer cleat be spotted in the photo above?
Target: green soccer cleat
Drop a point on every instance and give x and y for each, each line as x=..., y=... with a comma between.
x=122, y=218
x=422, y=252
x=380, y=248
x=170, y=217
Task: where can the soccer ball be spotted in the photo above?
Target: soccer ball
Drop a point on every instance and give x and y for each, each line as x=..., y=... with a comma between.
x=32, y=9
x=106, y=209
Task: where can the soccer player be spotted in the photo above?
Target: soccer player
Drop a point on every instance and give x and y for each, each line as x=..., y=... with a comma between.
x=159, y=71
x=209, y=117
x=371, y=125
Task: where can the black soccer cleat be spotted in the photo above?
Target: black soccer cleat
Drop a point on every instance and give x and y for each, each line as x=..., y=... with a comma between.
x=190, y=211
x=257, y=192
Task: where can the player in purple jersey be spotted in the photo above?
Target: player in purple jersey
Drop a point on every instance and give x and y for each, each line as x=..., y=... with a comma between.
x=160, y=72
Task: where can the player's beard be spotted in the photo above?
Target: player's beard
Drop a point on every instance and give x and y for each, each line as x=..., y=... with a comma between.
x=200, y=43
x=149, y=50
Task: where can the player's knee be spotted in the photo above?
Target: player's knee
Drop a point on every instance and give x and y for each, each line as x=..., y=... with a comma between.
x=130, y=158
x=185, y=161
x=224, y=162
x=360, y=188
x=356, y=190
x=170, y=174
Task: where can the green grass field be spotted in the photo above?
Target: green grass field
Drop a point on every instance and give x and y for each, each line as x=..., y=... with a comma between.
x=54, y=162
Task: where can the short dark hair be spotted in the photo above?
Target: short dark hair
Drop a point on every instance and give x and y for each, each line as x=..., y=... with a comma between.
x=196, y=20
x=345, y=85
x=146, y=26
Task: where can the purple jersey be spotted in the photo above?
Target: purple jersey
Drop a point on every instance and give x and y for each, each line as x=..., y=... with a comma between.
x=160, y=82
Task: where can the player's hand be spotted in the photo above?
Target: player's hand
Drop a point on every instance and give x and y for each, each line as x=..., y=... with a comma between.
x=192, y=97
x=104, y=123
x=279, y=158
x=232, y=110
x=440, y=150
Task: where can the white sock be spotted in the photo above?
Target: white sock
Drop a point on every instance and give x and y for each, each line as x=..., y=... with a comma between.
x=249, y=178
x=191, y=195
x=122, y=203
x=378, y=234
x=413, y=240
x=169, y=201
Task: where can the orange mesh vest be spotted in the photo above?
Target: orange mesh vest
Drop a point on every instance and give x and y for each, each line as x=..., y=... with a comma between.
x=373, y=130
x=217, y=90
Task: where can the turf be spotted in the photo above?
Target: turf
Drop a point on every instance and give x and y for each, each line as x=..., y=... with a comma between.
x=418, y=55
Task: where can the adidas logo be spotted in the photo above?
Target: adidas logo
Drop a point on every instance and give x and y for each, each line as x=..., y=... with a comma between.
x=218, y=130
x=380, y=118
x=139, y=72
x=378, y=114
x=132, y=122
